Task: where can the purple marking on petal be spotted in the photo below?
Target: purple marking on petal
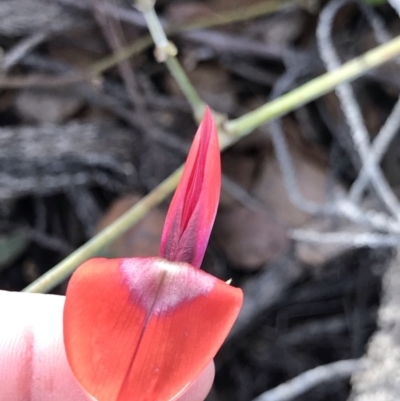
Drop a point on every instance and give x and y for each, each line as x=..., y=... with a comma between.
x=160, y=285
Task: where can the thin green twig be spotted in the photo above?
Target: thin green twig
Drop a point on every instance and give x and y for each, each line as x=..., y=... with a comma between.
x=65, y=268
x=230, y=133
x=166, y=52
x=240, y=14
x=93, y=73
x=176, y=70
x=222, y=18
x=314, y=88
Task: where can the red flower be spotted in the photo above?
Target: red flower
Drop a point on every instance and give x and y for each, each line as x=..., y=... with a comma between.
x=144, y=329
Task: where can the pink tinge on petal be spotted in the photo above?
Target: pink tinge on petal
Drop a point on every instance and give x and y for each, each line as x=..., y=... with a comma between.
x=160, y=286
x=193, y=208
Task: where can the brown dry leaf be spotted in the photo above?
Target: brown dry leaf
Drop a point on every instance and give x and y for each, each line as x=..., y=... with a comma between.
x=79, y=48
x=223, y=5
x=6, y=100
x=272, y=191
x=249, y=235
x=242, y=168
x=311, y=168
x=280, y=28
x=372, y=114
x=184, y=12
x=249, y=238
x=47, y=106
x=181, y=13
x=391, y=163
x=141, y=240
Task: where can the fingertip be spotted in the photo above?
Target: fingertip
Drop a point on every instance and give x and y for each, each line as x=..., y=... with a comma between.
x=200, y=389
x=33, y=364
x=41, y=353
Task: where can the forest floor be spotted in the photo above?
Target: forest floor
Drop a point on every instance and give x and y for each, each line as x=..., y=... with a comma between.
x=83, y=137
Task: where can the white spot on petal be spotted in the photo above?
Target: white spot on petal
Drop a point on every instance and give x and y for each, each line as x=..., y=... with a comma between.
x=160, y=285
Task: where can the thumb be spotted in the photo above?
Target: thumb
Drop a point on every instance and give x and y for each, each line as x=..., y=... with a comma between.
x=33, y=365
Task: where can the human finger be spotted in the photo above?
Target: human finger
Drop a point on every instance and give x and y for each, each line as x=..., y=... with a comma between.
x=33, y=365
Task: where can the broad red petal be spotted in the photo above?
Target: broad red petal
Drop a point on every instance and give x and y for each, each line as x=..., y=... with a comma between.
x=143, y=329
x=194, y=206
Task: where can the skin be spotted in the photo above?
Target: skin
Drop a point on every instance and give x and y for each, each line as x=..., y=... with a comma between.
x=33, y=365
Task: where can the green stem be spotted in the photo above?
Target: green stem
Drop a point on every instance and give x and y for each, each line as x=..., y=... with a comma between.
x=166, y=52
x=65, y=268
x=223, y=18
x=234, y=130
x=108, y=62
x=314, y=88
x=155, y=28
x=176, y=70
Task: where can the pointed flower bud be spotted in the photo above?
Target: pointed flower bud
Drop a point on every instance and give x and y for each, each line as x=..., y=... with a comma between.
x=194, y=206
x=144, y=329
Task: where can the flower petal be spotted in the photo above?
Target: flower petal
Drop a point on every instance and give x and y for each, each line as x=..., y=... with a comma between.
x=143, y=329
x=194, y=206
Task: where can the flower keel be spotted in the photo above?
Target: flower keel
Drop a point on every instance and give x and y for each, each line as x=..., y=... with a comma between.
x=194, y=206
x=144, y=329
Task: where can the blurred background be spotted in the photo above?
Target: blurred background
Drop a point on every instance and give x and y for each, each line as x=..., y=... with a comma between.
x=85, y=135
